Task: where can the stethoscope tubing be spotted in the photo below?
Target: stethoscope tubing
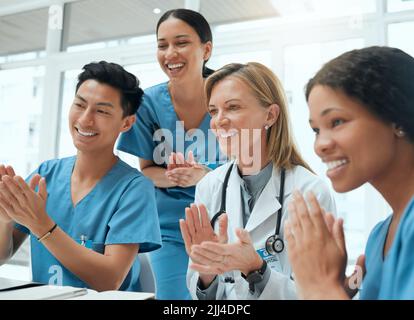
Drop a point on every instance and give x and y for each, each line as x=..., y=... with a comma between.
x=279, y=212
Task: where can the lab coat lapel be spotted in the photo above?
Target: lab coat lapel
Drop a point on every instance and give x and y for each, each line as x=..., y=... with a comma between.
x=267, y=204
x=233, y=202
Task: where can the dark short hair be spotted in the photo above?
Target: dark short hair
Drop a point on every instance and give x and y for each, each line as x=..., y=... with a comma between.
x=380, y=78
x=117, y=77
x=196, y=21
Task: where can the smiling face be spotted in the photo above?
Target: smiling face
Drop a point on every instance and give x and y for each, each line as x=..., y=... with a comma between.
x=96, y=117
x=356, y=146
x=180, y=51
x=238, y=120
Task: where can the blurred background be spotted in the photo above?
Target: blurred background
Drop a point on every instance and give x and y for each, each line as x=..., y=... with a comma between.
x=44, y=44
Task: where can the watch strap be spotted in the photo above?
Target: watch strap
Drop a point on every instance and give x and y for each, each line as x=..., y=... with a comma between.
x=255, y=276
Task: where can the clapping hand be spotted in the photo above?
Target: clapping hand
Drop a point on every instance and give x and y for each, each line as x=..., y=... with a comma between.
x=22, y=204
x=184, y=173
x=316, y=249
x=218, y=258
x=196, y=229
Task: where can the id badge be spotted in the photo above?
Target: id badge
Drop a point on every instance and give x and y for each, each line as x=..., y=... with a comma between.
x=272, y=261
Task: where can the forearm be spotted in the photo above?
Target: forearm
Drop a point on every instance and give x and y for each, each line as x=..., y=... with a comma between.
x=207, y=293
x=6, y=241
x=206, y=279
x=324, y=293
x=157, y=175
x=95, y=269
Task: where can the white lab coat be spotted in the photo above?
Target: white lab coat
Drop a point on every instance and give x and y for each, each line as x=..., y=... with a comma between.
x=261, y=225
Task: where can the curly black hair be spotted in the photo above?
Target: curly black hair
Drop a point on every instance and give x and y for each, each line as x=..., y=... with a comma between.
x=380, y=78
x=117, y=77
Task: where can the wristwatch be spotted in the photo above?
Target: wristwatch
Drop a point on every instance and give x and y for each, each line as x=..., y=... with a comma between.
x=255, y=276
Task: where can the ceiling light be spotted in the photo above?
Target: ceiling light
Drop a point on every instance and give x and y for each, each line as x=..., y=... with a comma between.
x=157, y=10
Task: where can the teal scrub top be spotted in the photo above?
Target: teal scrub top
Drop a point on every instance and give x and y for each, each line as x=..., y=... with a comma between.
x=154, y=136
x=391, y=278
x=120, y=209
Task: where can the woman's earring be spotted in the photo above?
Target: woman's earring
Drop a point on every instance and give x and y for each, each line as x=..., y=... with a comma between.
x=400, y=133
x=266, y=127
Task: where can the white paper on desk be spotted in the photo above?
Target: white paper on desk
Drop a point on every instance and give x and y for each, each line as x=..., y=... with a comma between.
x=43, y=293
x=115, y=295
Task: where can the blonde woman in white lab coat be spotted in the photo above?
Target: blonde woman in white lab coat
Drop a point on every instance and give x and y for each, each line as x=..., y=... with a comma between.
x=235, y=260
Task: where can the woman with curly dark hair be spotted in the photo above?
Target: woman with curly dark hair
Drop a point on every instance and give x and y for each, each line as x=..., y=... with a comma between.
x=362, y=112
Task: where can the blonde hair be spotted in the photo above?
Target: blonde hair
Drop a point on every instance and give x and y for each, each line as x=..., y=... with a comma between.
x=268, y=90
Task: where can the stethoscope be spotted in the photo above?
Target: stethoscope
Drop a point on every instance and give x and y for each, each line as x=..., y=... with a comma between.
x=274, y=244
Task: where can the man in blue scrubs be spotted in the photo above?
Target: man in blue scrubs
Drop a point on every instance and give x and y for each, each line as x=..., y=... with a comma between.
x=87, y=215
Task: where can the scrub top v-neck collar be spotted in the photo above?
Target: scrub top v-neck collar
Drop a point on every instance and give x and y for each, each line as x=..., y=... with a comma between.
x=90, y=194
x=204, y=124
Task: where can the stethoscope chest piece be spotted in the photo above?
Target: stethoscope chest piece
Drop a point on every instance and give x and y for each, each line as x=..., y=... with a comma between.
x=274, y=245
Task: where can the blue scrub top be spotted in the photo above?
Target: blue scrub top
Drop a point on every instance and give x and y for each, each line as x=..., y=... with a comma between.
x=154, y=136
x=392, y=277
x=120, y=209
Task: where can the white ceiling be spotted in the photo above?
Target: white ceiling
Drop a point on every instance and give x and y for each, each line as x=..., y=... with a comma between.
x=8, y=7
x=23, y=32
x=97, y=20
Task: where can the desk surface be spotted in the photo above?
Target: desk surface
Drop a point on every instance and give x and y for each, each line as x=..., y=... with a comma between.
x=46, y=292
x=115, y=295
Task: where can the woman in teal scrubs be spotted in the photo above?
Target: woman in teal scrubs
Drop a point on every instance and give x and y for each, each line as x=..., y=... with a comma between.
x=85, y=221
x=173, y=121
x=362, y=111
